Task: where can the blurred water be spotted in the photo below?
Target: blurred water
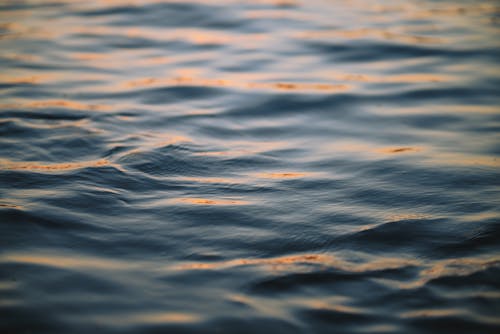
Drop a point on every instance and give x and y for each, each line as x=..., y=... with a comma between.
x=249, y=166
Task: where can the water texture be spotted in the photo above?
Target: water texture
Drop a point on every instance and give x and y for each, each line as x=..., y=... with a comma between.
x=253, y=166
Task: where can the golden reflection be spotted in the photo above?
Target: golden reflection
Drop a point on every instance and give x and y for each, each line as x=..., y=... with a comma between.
x=429, y=154
x=397, y=78
x=370, y=149
x=22, y=57
x=18, y=30
x=287, y=263
x=161, y=139
x=433, y=313
x=70, y=262
x=21, y=80
x=459, y=267
x=335, y=304
x=480, y=216
x=89, y=56
x=209, y=201
x=277, y=14
x=289, y=175
x=117, y=60
x=10, y=206
x=194, y=81
x=193, y=36
x=395, y=150
x=393, y=218
x=480, y=109
x=407, y=216
x=54, y=167
x=17, y=76
x=438, y=109
x=150, y=60
x=68, y=105
x=419, y=78
x=444, y=268
x=59, y=124
x=165, y=317
x=20, y=77
x=457, y=11
x=110, y=3
x=369, y=33
x=461, y=159
x=190, y=35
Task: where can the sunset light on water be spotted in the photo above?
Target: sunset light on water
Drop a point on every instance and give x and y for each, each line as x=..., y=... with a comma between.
x=265, y=166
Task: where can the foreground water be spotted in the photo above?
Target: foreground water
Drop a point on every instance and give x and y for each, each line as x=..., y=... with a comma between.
x=249, y=167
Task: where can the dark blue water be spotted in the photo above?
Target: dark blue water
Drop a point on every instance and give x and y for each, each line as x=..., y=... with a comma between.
x=249, y=166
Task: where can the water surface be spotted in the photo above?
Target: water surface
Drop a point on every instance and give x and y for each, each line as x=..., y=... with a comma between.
x=249, y=166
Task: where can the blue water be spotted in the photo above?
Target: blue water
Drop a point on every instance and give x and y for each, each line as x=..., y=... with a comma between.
x=262, y=166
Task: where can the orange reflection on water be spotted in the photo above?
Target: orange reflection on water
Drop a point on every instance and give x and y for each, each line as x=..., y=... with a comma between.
x=433, y=313
x=396, y=150
x=290, y=262
x=89, y=56
x=165, y=317
x=451, y=312
x=68, y=105
x=369, y=33
x=54, y=167
x=20, y=80
x=418, y=78
x=455, y=11
x=459, y=267
x=462, y=159
x=209, y=201
x=10, y=206
x=446, y=268
x=407, y=78
x=119, y=60
x=18, y=30
x=308, y=258
x=189, y=35
x=277, y=14
x=21, y=77
x=71, y=262
x=232, y=83
x=160, y=139
x=288, y=175
x=407, y=216
x=193, y=36
x=22, y=57
x=335, y=306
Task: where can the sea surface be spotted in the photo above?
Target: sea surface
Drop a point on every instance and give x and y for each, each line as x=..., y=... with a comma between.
x=263, y=166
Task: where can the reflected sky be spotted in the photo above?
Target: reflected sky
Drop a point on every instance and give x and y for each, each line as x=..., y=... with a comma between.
x=249, y=166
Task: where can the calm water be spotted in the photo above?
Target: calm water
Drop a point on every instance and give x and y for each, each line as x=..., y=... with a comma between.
x=258, y=166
